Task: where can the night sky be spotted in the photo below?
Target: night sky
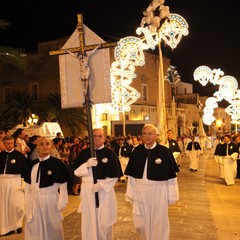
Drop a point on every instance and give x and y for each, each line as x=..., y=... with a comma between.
x=214, y=32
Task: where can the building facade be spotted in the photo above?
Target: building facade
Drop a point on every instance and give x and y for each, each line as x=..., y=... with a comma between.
x=42, y=78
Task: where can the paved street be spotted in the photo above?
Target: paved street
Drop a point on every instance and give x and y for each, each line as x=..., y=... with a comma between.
x=207, y=210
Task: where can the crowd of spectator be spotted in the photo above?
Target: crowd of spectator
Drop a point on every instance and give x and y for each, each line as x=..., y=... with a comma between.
x=67, y=149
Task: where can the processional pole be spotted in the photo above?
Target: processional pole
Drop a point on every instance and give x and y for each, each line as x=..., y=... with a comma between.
x=88, y=106
x=88, y=103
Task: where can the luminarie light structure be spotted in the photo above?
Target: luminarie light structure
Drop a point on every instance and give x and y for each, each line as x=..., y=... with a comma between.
x=228, y=86
x=129, y=54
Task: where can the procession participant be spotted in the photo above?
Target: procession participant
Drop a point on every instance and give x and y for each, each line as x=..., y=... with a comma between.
x=237, y=141
x=229, y=156
x=46, y=194
x=218, y=158
x=12, y=167
x=172, y=144
x=152, y=186
x=97, y=222
x=193, y=151
x=123, y=151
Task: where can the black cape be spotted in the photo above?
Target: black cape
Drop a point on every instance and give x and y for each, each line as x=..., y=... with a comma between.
x=108, y=163
x=16, y=163
x=196, y=146
x=159, y=172
x=52, y=171
x=173, y=146
x=232, y=147
x=218, y=150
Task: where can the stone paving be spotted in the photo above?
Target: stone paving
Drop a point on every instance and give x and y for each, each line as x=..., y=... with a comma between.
x=207, y=209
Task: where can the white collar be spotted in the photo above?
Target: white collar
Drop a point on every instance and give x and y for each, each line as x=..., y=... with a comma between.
x=100, y=147
x=44, y=158
x=153, y=146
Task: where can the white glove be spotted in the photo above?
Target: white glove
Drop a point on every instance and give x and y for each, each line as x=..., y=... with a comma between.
x=92, y=162
x=97, y=187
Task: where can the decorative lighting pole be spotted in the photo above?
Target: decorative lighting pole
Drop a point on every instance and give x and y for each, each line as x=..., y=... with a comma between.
x=171, y=33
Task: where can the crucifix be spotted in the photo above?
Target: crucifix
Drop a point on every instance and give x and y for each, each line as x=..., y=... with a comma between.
x=81, y=53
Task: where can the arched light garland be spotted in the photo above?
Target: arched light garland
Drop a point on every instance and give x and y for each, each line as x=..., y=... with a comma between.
x=173, y=29
x=234, y=108
x=227, y=87
x=129, y=51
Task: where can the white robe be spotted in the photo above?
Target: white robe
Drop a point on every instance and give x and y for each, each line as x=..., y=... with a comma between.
x=230, y=168
x=220, y=166
x=193, y=157
x=150, y=201
x=12, y=202
x=43, y=210
x=96, y=222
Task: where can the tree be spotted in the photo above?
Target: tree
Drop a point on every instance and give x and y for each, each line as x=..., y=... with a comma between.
x=71, y=118
x=20, y=107
x=9, y=54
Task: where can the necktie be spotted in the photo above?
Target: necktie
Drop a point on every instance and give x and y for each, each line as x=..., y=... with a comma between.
x=38, y=171
x=5, y=169
x=193, y=148
x=227, y=151
x=148, y=163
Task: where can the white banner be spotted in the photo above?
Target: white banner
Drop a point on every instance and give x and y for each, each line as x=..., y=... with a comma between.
x=99, y=78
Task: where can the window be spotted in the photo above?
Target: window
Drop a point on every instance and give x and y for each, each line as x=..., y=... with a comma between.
x=7, y=94
x=104, y=117
x=34, y=89
x=144, y=92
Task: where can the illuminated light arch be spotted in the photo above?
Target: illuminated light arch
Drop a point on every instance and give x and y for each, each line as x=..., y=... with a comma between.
x=227, y=88
x=173, y=29
x=208, y=119
x=234, y=108
x=211, y=102
x=203, y=74
x=129, y=51
x=123, y=96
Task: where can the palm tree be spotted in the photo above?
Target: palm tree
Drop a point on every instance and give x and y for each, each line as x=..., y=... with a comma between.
x=20, y=107
x=71, y=118
x=9, y=54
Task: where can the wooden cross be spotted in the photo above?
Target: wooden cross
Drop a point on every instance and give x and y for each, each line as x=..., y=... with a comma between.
x=82, y=50
x=82, y=47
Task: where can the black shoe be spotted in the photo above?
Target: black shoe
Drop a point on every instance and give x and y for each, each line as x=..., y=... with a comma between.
x=9, y=233
x=195, y=170
x=191, y=170
x=19, y=230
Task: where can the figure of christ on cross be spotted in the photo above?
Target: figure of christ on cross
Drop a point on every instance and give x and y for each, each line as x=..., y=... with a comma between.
x=84, y=67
